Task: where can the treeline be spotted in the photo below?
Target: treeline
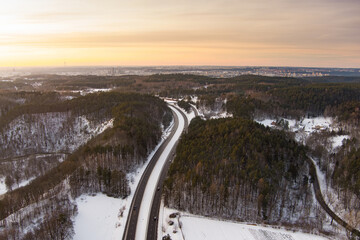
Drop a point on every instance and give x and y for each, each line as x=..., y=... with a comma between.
x=334, y=79
x=99, y=166
x=238, y=169
x=347, y=168
x=98, y=104
x=264, y=83
x=335, y=100
x=315, y=98
x=178, y=77
x=10, y=100
x=245, y=107
x=61, y=82
x=348, y=112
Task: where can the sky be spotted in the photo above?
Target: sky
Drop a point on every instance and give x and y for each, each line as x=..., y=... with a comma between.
x=309, y=33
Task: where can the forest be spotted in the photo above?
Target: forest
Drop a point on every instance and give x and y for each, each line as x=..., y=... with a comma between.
x=100, y=165
x=237, y=169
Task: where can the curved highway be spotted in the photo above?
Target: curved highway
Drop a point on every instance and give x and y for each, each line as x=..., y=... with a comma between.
x=130, y=232
x=156, y=201
x=131, y=223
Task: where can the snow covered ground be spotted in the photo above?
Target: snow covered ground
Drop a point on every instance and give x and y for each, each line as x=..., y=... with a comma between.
x=207, y=113
x=144, y=211
x=196, y=228
x=110, y=220
x=3, y=188
x=305, y=127
x=99, y=217
x=190, y=115
x=338, y=141
x=92, y=90
x=23, y=183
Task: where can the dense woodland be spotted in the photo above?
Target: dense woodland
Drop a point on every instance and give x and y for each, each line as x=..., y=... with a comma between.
x=347, y=168
x=238, y=169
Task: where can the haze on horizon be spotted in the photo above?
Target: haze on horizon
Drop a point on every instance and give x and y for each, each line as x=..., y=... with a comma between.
x=322, y=33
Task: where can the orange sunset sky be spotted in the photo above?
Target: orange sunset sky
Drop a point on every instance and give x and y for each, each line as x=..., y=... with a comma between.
x=321, y=33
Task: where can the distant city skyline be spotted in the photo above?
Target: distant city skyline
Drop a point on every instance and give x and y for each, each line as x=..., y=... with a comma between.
x=322, y=33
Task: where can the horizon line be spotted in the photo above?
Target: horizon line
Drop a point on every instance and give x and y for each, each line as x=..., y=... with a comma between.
x=188, y=66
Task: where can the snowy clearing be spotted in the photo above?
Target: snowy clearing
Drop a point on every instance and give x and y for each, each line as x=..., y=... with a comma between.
x=197, y=228
x=144, y=211
x=303, y=128
x=110, y=223
x=98, y=217
x=338, y=141
x=91, y=90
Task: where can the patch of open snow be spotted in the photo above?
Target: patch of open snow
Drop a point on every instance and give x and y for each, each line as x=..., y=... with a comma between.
x=194, y=99
x=318, y=123
x=303, y=128
x=25, y=182
x=98, y=217
x=266, y=122
x=3, y=188
x=337, y=141
x=94, y=90
x=64, y=98
x=150, y=189
x=111, y=220
x=222, y=115
x=192, y=227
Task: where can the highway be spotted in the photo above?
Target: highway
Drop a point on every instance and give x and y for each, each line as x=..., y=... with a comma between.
x=156, y=201
x=131, y=231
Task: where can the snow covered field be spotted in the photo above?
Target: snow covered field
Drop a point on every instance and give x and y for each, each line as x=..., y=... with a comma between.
x=198, y=228
x=110, y=214
x=98, y=218
x=305, y=127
